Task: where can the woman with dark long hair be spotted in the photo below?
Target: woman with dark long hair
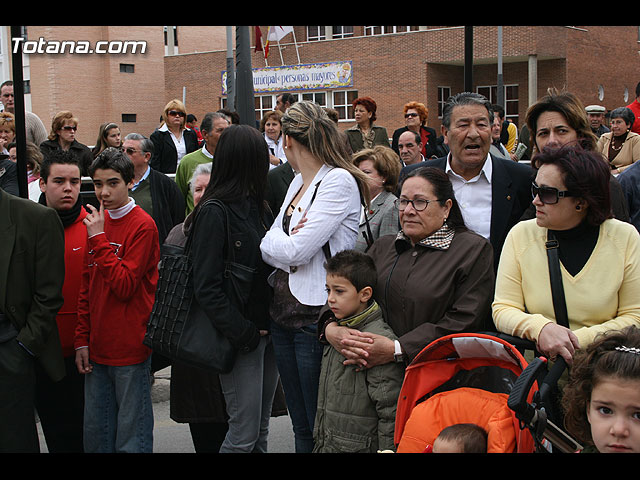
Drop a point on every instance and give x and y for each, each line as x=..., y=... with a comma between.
x=238, y=180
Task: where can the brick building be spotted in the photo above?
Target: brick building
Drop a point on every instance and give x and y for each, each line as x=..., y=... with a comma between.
x=391, y=64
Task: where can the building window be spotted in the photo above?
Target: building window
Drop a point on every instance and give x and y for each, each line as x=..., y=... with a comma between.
x=511, y=101
x=443, y=94
x=317, y=97
x=128, y=118
x=342, y=102
x=388, y=29
x=127, y=68
x=342, y=32
x=316, y=33
x=175, y=36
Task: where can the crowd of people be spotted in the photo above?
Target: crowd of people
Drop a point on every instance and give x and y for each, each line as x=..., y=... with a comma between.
x=363, y=249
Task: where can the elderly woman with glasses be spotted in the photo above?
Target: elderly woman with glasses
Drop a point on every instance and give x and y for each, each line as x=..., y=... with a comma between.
x=62, y=136
x=599, y=258
x=173, y=139
x=435, y=277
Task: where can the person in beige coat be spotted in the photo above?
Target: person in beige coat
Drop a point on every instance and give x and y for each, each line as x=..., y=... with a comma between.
x=621, y=146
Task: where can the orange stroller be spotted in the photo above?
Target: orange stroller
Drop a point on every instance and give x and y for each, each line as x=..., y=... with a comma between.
x=462, y=378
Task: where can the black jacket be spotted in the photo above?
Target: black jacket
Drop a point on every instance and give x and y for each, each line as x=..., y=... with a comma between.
x=167, y=201
x=165, y=156
x=79, y=150
x=239, y=323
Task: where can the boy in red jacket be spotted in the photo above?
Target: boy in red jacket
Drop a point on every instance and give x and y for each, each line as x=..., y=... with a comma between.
x=117, y=294
x=60, y=404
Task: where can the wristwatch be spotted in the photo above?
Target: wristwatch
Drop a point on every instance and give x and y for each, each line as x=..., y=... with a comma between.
x=398, y=356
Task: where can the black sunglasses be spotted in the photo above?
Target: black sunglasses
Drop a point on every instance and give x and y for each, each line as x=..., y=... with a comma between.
x=548, y=195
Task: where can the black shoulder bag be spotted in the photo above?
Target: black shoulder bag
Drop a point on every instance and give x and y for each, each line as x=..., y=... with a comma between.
x=178, y=328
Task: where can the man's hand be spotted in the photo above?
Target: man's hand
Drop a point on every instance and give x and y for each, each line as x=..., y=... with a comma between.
x=94, y=221
x=82, y=361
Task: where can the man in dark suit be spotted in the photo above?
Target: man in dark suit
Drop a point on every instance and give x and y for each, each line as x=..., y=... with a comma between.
x=493, y=193
x=31, y=279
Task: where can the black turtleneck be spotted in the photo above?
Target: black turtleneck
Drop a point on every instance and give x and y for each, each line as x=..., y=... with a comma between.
x=67, y=217
x=576, y=245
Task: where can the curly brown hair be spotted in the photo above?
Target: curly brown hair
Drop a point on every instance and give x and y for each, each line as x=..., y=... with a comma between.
x=602, y=359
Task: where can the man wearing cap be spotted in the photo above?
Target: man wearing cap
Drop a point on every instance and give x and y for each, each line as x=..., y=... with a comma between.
x=596, y=119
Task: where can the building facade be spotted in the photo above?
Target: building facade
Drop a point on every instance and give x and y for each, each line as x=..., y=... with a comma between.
x=393, y=65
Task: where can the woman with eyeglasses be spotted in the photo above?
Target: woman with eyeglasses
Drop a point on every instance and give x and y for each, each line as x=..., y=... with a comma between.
x=435, y=277
x=173, y=139
x=108, y=136
x=599, y=258
x=64, y=127
x=415, y=117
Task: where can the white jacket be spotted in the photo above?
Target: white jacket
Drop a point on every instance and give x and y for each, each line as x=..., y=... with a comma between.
x=333, y=216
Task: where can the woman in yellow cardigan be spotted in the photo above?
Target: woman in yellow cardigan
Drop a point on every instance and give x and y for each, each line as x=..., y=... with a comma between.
x=599, y=255
x=620, y=147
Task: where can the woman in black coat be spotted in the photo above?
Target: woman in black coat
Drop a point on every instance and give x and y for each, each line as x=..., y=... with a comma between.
x=172, y=140
x=238, y=180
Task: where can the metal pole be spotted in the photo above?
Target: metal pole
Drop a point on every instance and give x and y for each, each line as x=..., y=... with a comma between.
x=19, y=109
x=500, y=101
x=468, y=59
x=244, y=79
x=231, y=72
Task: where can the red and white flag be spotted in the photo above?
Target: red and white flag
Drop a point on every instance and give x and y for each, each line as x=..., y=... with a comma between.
x=275, y=34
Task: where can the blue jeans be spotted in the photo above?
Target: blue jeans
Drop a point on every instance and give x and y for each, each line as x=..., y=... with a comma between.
x=118, y=412
x=299, y=356
x=248, y=393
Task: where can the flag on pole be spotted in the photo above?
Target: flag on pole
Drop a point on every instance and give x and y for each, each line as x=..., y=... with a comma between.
x=258, y=36
x=275, y=34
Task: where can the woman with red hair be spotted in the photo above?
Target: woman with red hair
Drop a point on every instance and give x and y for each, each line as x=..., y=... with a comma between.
x=364, y=134
x=415, y=117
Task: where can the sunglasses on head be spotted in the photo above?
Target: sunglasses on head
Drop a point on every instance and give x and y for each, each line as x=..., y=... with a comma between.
x=548, y=195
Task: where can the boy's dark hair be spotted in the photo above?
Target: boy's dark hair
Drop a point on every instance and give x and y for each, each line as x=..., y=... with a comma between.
x=56, y=156
x=472, y=437
x=114, y=159
x=355, y=266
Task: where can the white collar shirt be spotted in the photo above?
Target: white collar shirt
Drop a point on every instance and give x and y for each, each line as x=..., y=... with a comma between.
x=474, y=197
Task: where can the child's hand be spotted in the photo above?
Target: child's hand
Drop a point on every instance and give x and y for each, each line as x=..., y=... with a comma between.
x=94, y=221
x=82, y=361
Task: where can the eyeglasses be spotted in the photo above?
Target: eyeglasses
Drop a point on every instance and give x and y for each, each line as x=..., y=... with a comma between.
x=175, y=113
x=418, y=204
x=409, y=115
x=130, y=150
x=70, y=127
x=548, y=195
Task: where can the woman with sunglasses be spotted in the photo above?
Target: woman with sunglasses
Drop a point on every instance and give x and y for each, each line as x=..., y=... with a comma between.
x=173, y=139
x=415, y=117
x=62, y=136
x=599, y=258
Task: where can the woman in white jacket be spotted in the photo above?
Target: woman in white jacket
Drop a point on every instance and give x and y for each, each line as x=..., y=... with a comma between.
x=319, y=217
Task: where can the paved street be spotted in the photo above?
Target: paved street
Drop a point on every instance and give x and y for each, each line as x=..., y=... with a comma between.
x=172, y=437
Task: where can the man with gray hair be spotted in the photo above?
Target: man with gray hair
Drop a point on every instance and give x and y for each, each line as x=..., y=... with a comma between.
x=493, y=192
x=211, y=127
x=153, y=191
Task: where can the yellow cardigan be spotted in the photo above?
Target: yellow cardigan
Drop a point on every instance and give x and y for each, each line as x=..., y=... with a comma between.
x=604, y=295
x=628, y=154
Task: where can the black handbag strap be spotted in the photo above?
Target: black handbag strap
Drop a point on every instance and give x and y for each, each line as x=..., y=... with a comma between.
x=557, y=290
x=230, y=253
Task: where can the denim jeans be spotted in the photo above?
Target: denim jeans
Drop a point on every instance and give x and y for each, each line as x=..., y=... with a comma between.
x=118, y=412
x=299, y=356
x=248, y=392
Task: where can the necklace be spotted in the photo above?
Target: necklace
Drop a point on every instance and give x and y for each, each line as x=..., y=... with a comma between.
x=622, y=138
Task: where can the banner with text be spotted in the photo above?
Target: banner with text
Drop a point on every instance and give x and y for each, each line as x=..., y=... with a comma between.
x=313, y=76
